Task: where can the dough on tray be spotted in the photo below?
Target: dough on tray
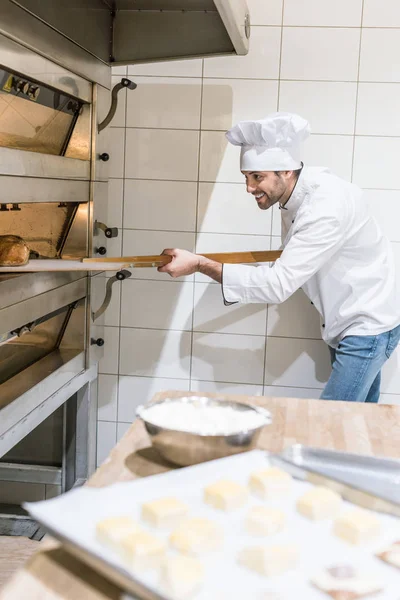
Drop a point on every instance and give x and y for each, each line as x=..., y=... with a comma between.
x=164, y=512
x=357, y=526
x=270, y=482
x=344, y=582
x=261, y=520
x=269, y=560
x=112, y=530
x=196, y=536
x=226, y=495
x=391, y=554
x=142, y=551
x=319, y=503
x=181, y=576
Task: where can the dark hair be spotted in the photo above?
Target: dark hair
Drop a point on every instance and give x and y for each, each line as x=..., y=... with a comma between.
x=296, y=172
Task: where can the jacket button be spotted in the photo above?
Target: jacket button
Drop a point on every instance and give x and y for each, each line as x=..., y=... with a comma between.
x=312, y=303
x=293, y=221
x=323, y=325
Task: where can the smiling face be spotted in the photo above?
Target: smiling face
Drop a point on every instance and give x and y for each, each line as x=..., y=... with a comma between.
x=269, y=187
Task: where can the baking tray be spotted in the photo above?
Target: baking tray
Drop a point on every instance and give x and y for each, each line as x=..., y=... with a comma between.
x=368, y=481
x=71, y=518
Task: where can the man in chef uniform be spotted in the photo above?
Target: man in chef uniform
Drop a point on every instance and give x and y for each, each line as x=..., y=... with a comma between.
x=332, y=249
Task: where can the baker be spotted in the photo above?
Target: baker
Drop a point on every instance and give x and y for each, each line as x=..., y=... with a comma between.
x=332, y=248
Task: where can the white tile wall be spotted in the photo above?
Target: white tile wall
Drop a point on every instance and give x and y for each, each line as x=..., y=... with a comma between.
x=228, y=208
x=295, y=318
x=262, y=61
x=383, y=205
x=217, y=387
x=109, y=362
x=157, y=304
x=333, y=151
x=107, y=397
x=106, y=439
x=223, y=357
x=330, y=107
x=379, y=55
x=219, y=160
x=265, y=13
x=340, y=13
x=161, y=154
x=377, y=110
x=155, y=353
x=211, y=315
x=169, y=189
x=226, y=101
x=173, y=68
x=376, y=162
x=296, y=363
x=134, y=391
x=165, y=102
x=163, y=205
x=320, y=53
x=381, y=13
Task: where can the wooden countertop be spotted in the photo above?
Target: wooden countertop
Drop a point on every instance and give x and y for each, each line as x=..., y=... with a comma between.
x=53, y=574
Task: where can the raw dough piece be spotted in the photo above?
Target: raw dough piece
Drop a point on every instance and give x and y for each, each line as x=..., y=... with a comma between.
x=344, y=582
x=391, y=555
x=270, y=482
x=226, y=495
x=142, y=551
x=111, y=531
x=196, y=536
x=181, y=576
x=261, y=520
x=357, y=526
x=269, y=560
x=319, y=503
x=164, y=512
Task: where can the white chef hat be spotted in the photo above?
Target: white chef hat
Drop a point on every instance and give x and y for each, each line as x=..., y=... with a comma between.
x=272, y=144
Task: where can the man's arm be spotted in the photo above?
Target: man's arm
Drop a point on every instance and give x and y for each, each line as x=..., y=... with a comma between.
x=187, y=263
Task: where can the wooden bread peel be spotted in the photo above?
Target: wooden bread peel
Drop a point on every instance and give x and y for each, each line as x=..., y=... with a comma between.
x=222, y=257
x=129, y=262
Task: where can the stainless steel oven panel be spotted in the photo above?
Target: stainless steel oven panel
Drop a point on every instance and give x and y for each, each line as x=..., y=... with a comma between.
x=53, y=373
x=101, y=103
x=96, y=329
x=17, y=190
x=20, y=314
x=19, y=58
x=100, y=214
x=19, y=288
x=20, y=25
x=76, y=243
x=33, y=164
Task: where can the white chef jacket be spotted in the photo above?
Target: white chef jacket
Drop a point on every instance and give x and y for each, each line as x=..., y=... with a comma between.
x=334, y=250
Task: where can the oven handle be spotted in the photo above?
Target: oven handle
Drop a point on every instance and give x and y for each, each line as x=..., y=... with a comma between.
x=120, y=276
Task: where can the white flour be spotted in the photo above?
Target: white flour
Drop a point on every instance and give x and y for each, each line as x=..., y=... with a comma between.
x=198, y=417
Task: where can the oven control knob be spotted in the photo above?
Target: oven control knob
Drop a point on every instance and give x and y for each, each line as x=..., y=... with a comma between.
x=104, y=157
x=111, y=232
x=99, y=342
x=102, y=250
x=33, y=92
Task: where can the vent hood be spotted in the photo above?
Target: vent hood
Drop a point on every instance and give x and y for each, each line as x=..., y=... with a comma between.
x=119, y=32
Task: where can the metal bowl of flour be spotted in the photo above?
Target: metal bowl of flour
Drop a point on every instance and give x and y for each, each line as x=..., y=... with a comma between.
x=189, y=447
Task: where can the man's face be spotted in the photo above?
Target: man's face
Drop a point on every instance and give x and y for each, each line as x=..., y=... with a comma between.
x=267, y=187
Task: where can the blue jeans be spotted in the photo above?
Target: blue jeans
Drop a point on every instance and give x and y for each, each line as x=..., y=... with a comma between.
x=357, y=364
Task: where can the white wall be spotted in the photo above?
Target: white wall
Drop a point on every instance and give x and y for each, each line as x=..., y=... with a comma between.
x=175, y=182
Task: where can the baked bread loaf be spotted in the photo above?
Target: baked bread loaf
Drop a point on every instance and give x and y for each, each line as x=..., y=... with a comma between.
x=13, y=251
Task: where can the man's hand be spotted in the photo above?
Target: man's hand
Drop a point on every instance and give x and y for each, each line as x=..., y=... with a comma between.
x=182, y=263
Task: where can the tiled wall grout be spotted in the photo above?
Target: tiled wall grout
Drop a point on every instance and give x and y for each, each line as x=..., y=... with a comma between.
x=357, y=91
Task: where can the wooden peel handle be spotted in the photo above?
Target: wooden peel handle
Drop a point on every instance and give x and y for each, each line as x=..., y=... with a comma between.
x=223, y=257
